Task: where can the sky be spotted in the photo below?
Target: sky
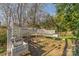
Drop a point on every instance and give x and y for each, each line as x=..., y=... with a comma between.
x=50, y=9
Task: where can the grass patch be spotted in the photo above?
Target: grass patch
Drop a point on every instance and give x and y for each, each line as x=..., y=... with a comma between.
x=68, y=37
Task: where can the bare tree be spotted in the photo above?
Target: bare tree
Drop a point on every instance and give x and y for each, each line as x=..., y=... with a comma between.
x=13, y=13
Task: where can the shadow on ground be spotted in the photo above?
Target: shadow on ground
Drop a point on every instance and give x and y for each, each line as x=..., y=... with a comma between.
x=34, y=48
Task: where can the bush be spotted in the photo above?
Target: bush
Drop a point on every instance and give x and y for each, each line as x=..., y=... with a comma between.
x=2, y=50
x=3, y=36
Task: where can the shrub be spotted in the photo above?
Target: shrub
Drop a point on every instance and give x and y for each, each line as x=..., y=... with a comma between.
x=2, y=50
x=3, y=36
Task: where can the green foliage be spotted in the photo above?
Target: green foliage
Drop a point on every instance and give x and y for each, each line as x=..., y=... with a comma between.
x=2, y=50
x=3, y=36
x=68, y=37
x=67, y=15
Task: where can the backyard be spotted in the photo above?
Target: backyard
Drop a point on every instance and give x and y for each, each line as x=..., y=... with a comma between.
x=41, y=46
x=40, y=29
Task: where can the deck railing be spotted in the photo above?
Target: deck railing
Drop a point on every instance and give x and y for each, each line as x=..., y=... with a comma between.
x=43, y=32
